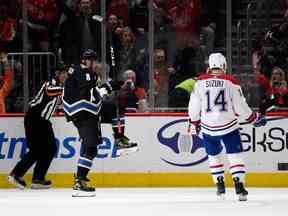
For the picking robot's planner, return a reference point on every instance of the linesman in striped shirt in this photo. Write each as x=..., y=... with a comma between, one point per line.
x=39, y=134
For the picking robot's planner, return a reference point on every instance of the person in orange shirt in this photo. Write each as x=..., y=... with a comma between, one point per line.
x=6, y=80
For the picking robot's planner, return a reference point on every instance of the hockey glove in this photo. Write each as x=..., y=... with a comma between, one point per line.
x=102, y=91
x=108, y=87
x=194, y=127
x=260, y=121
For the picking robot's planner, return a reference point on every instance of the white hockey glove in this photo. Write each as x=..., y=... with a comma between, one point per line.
x=108, y=87
x=102, y=91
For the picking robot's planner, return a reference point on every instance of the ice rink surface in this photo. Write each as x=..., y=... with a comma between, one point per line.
x=143, y=201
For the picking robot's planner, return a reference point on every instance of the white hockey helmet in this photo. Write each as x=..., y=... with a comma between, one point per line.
x=217, y=61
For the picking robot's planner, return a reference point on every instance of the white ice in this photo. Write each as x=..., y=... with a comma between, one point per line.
x=143, y=201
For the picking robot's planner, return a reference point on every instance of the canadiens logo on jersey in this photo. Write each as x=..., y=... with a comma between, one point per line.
x=179, y=148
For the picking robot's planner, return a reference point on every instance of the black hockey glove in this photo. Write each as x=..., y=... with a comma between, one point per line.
x=260, y=121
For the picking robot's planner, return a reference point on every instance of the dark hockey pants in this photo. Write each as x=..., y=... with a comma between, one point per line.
x=42, y=147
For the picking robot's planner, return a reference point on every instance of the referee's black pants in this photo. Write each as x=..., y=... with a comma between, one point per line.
x=42, y=147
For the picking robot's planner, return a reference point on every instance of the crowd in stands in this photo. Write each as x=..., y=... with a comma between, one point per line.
x=185, y=32
x=270, y=63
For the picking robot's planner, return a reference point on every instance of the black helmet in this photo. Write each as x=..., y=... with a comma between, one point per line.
x=88, y=54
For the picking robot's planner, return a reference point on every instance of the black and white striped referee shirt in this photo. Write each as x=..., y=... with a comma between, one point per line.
x=44, y=103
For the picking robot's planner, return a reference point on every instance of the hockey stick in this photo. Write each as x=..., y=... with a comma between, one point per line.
x=115, y=77
x=268, y=120
x=272, y=107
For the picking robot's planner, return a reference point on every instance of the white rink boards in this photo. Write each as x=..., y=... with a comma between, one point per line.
x=166, y=156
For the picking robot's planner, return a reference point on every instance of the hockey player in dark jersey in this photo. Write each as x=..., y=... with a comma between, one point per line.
x=83, y=100
x=39, y=134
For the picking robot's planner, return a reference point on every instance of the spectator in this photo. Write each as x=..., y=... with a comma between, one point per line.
x=127, y=52
x=42, y=16
x=79, y=30
x=14, y=101
x=139, y=16
x=113, y=45
x=142, y=68
x=6, y=80
x=131, y=97
x=276, y=93
x=207, y=39
x=8, y=26
x=214, y=12
x=113, y=23
x=164, y=35
x=270, y=49
x=120, y=9
x=185, y=20
x=161, y=78
x=189, y=62
x=278, y=78
x=279, y=87
x=180, y=95
x=121, y=23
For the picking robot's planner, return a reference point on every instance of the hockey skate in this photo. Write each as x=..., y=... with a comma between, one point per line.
x=16, y=181
x=41, y=184
x=124, y=147
x=81, y=189
x=220, y=187
x=240, y=190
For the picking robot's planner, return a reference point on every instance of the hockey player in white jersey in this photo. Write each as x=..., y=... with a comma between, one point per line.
x=215, y=105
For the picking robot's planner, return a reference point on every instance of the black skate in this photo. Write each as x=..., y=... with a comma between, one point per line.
x=16, y=181
x=41, y=184
x=240, y=190
x=81, y=189
x=220, y=187
x=124, y=147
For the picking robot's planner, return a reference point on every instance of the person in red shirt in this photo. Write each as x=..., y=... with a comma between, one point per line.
x=185, y=19
x=276, y=92
x=6, y=80
x=120, y=9
x=7, y=25
x=42, y=16
x=8, y=29
x=132, y=98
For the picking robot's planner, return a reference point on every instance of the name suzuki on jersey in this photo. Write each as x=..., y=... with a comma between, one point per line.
x=214, y=83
